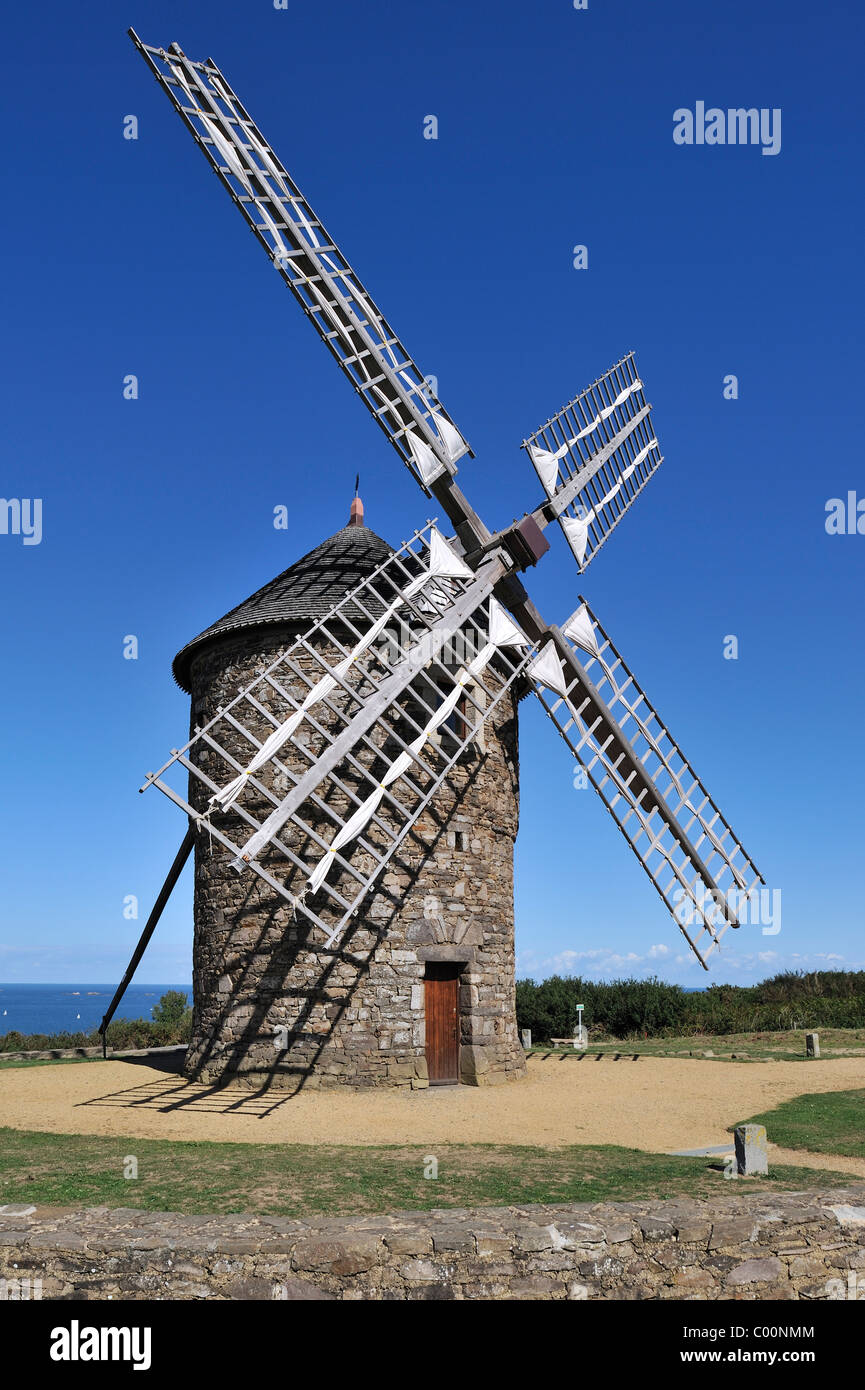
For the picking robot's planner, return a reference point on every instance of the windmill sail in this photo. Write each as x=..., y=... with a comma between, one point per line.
x=694, y=859
x=349, y=741
x=595, y=457
x=353, y=729
x=332, y=296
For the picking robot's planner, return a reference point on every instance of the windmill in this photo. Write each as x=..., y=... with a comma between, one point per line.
x=314, y=777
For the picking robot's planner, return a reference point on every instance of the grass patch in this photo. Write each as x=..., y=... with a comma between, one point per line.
x=832, y=1123
x=302, y=1180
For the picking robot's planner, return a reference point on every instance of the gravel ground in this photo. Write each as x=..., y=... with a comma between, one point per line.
x=655, y=1104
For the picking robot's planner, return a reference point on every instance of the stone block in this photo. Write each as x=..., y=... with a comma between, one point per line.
x=672, y=1256
x=601, y=1268
x=694, y=1278
x=473, y=1062
x=493, y=1245
x=290, y=1291
x=530, y=1238
x=655, y=1228
x=849, y=1216
x=432, y=1293
x=59, y=1240
x=534, y=1286
x=409, y=1243
x=246, y=1290
x=616, y=1231
x=752, y=1154
x=756, y=1272
x=571, y=1235
x=401, y=1071
x=551, y=1260
x=240, y=1246
x=351, y=1256
x=192, y=1290
x=806, y=1267
x=423, y=1271
x=731, y=1230
x=454, y=1240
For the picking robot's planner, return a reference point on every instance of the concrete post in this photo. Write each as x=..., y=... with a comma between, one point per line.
x=751, y=1150
x=526, y=1036
x=812, y=1044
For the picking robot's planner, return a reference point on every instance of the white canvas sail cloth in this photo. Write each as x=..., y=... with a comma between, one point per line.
x=580, y=630
x=503, y=632
x=547, y=668
x=442, y=563
x=427, y=461
x=547, y=462
x=576, y=528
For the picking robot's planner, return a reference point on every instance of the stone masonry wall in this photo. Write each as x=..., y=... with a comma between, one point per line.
x=355, y=1016
x=759, y=1245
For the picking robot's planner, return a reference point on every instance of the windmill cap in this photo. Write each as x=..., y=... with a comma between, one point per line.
x=300, y=595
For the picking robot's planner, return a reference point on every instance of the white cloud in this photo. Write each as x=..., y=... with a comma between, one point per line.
x=745, y=967
x=602, y=961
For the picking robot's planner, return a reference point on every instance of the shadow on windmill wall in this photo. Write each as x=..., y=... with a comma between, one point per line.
x=272, y=1009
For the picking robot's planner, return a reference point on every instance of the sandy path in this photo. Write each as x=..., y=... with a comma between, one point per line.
x=656, y=1104
x=800, y=1158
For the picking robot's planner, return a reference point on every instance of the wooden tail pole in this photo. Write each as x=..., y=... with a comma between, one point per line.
x=150, y=926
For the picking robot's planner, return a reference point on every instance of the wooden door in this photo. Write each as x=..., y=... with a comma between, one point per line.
x=441, y=999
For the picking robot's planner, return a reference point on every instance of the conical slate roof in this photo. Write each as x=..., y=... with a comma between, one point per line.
x=304, y=592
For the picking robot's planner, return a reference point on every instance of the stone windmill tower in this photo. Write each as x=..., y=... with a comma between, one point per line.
x=350, y=781
x=422, y=987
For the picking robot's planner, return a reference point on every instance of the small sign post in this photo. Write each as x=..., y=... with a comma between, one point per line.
x=580, y=1038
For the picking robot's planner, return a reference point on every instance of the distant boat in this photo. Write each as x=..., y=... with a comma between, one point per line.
x=77, y=1015
x=5, y=1012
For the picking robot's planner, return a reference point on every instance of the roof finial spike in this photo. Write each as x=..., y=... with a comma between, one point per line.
x=355, y=517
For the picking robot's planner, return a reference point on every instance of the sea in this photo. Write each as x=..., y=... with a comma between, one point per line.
x=74, y=1008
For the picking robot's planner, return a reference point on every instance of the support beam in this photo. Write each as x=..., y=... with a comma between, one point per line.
x=150, y=926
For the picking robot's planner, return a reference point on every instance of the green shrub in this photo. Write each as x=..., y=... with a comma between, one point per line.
x=652, y=1008
x=172, y=1010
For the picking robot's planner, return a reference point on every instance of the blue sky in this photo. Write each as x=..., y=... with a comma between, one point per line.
x=555, y=129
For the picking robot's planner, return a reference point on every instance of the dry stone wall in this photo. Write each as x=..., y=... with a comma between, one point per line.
x=756, y=1246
